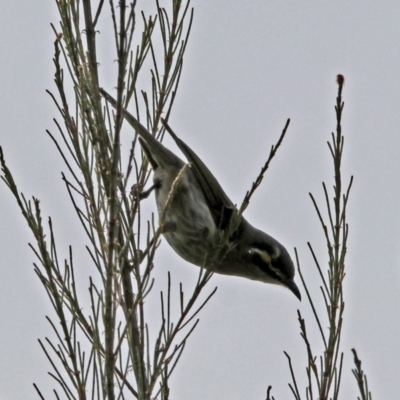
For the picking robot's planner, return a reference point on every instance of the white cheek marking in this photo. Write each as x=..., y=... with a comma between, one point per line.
x=263, y=254
x=267, y=259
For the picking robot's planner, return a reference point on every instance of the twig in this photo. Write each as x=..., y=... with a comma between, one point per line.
x=260, y=176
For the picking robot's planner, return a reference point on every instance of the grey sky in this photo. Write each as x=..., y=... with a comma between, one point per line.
x=249, y=67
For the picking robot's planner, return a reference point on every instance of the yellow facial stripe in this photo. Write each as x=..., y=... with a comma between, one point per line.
x=266, y=257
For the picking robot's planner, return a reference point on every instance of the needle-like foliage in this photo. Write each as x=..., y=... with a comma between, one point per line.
x=107, y=349
x=324, y=371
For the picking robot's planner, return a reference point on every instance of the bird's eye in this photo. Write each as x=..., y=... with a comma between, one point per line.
x=265, y=262
x=260, y=258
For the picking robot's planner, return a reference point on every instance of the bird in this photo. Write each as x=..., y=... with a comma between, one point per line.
x=201, y=223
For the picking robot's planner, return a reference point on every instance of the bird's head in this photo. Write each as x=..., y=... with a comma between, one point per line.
x=260, y=257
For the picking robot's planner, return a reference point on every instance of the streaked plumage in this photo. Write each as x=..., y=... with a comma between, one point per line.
x=199, y=213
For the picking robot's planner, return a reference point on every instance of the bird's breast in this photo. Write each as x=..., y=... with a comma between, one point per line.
x=189, y=225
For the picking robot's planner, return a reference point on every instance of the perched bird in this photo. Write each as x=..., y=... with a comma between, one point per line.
x=201, y=223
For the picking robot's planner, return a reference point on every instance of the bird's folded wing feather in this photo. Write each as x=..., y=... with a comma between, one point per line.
x=219, y=203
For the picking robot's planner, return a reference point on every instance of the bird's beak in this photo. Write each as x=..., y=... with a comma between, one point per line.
x=293, y=288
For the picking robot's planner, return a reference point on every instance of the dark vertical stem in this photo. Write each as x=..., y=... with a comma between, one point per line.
x=91, y=40
x=336, y=305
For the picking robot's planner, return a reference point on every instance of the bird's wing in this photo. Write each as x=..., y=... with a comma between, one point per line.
x=218, y=202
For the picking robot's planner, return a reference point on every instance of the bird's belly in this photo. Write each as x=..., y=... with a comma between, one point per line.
x=191, y=248
x=189, y=226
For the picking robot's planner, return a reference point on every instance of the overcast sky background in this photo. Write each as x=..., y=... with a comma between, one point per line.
x=249, y=66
